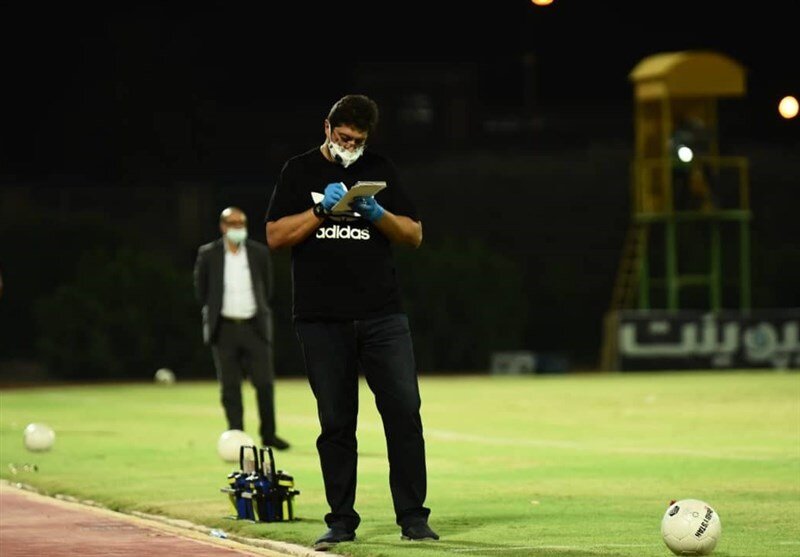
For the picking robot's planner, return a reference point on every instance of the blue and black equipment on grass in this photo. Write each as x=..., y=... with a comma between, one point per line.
x=274, y=491
x=257, y=490
x=238, y=490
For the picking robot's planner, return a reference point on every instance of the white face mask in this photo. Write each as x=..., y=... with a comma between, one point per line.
x=344, y=156
x=236, y=235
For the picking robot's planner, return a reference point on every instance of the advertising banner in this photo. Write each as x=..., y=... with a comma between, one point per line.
x=658, y=339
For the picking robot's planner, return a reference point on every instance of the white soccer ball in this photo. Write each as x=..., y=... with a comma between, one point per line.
x=229, y=443
x=691, y=527
x=39, y=437
x=165, y=376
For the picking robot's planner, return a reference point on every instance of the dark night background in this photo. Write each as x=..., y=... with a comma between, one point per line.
x=126, y=128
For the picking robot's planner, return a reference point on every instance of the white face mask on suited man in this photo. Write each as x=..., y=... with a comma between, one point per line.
x=236, y=235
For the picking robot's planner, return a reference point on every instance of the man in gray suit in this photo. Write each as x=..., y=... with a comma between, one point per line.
x=233, y=283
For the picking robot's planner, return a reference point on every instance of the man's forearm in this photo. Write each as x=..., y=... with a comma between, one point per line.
x=400, y=229
x=292, y=229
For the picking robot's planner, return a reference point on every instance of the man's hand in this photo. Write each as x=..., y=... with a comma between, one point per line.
x=333, y=193
x=368, y=208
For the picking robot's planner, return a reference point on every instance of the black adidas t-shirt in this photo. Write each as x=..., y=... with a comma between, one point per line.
x=344, y=270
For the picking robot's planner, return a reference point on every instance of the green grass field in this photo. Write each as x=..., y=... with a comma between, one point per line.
x=568, y=465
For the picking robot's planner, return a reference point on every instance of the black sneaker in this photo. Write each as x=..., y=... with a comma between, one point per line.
x=418, y=532
x=332, y=537
x=276, y=443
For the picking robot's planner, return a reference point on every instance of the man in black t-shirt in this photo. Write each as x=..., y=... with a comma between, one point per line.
x=348, y=314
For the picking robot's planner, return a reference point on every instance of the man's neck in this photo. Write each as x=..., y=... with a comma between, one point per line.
x=231, y=247
x=326, y=152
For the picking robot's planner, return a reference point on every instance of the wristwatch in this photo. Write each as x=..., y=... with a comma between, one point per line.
x=320, y=211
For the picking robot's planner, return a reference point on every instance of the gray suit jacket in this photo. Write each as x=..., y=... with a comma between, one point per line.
x=209, y=273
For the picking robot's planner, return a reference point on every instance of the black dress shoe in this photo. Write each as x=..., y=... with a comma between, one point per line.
x=418, y=531
x=332, y=537
x=276, y=443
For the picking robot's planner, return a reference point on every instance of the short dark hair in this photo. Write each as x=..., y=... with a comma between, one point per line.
x=357, y=111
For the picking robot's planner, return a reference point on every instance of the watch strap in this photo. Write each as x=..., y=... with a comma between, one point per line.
x=320, y=210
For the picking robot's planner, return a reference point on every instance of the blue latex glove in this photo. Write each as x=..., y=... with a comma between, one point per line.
x=333, y=193
x=368, y=208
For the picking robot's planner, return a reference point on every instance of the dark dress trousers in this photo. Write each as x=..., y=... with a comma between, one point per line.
x=240, y=348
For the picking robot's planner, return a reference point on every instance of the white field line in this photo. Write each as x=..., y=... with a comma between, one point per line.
x=444, y=435
x=553, y=547
x=736, y=453
x=567, y=547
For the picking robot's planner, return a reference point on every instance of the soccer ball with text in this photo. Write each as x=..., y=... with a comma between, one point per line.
x=691, y=527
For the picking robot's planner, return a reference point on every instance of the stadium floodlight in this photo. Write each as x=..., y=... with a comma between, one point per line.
x=685, y=153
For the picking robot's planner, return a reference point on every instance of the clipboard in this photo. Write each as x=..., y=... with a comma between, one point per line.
x=361, y=188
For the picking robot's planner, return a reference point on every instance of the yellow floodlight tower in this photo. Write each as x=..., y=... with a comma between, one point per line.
x=680, y=180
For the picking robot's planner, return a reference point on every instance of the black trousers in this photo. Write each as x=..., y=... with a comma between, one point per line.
x=239, y=352
x=335, y=352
